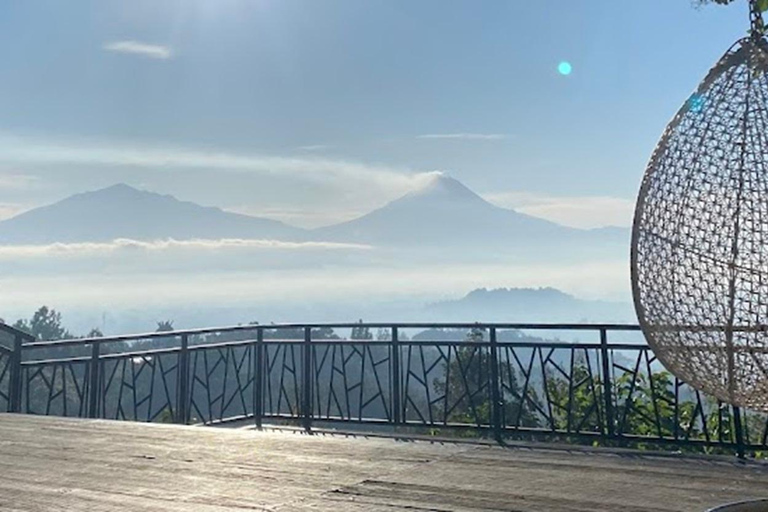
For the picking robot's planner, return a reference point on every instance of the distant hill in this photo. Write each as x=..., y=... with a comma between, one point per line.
x=450, y=334
x=121, y=211
x=545, y=305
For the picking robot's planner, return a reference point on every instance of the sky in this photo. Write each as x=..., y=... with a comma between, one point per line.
x=313, y=112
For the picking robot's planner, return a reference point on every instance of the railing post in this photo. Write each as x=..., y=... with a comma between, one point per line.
x=93, y=386
x=306, y=381
x=258, y=377
x=397, y=408
x=497, y=405
x=607, y=386
x=739, y=432
x=182, y=414
x=15, y=389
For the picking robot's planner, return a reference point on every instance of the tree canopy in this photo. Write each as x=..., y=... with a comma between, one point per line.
x=761, y=4
x=45, y=324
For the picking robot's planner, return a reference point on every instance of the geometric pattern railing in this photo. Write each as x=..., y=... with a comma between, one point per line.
x=5, y=378
x=11, y=342
x=497, y=379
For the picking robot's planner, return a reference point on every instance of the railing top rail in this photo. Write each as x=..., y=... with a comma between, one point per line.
x=141, y=336
x=341, y=325
x=15, y=332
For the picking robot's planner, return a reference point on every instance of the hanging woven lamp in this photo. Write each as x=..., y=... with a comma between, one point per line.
x=700, y=235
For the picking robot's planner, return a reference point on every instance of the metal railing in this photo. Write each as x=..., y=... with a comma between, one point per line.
x=11, y=341
x=604, y=385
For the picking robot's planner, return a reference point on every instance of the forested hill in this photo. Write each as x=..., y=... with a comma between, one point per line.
x=545, y=305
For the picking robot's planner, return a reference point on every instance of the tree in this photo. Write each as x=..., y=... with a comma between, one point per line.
x=45, y=324
x=761, y=4
x=575, y=400
x=361, y=333
x=466, y=380
x=164, y=326
x=646, y=404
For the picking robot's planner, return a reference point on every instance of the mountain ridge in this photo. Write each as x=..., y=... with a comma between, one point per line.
x=122, y=211
x=443, y=213
x=442, y=210
x=544, y=304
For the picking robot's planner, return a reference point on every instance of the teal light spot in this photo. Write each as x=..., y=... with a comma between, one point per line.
x=696, y=103
x=564, y=68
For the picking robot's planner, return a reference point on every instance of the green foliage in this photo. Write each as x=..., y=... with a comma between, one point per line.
x=721, y=2
x=761, y=4
x=361, y=333
x=647, y=406
x=45, y=324
x=581, y=399
x=466, y=382
x=164, y=326
x=165, y=416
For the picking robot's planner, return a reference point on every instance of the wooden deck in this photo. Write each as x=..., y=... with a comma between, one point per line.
x=94, y=465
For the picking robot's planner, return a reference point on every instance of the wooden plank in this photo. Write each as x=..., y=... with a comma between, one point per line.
x=83, y=465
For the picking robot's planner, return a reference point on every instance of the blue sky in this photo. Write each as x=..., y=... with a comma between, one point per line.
x=315, y=111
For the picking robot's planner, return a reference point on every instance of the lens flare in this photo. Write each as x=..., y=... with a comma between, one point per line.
x=696, y=103
x=564, y=68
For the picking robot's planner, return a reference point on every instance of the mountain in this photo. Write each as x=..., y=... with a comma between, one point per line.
x=121, y=211
x=529, y=305
x=442, y=215
x=445, y=213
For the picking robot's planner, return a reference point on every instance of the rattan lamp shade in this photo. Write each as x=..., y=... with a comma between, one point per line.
x=700, y=235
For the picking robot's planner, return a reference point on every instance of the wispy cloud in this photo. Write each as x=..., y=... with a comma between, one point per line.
x=386, y=180
x=18, y=181
x=8, y=210
x=465, y=136
x=125, y=244
x=303, y=217
x=137, y=289
x=314, y=147
x=152, y=51
x=575, y=211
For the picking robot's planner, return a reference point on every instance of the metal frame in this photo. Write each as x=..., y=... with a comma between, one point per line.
x=11, y=341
